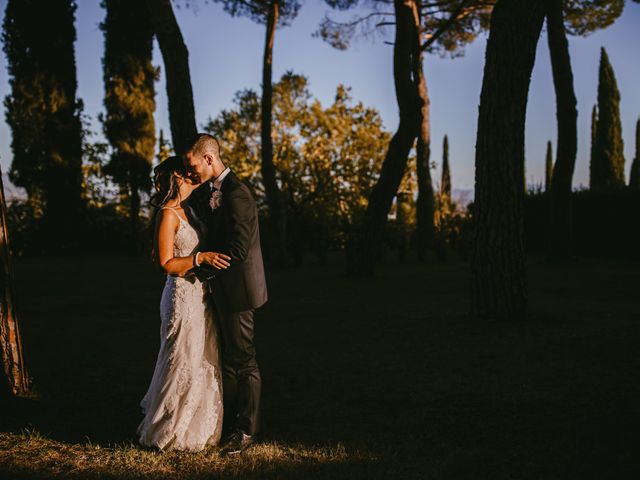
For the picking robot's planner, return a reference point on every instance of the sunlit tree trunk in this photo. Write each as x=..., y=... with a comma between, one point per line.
x=16, y=379
x=365, y=249
x=498, y=283
x=560, y=228
x=274, y=196
x=175, y=55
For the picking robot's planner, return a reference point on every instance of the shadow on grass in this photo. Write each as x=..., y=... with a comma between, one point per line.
x=390, y=369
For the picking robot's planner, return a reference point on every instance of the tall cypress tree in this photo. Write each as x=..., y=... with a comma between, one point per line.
x=634, y=177
x=608, y=151
x=445, y=183
x=593, y=165
x=548, y=172
x=44, y=113
x=129, y=98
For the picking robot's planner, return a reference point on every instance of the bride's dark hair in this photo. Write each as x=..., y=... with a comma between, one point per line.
x=165, y=181
x=166, y=185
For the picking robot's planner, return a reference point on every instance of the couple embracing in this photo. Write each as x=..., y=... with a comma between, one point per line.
x=207, y=240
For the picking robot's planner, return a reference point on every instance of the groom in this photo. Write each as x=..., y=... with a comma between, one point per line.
x=227, y=207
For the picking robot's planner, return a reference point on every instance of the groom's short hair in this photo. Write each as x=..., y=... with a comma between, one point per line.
x=205, y=143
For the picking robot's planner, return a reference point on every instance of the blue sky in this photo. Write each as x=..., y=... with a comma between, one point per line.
x=226, y=55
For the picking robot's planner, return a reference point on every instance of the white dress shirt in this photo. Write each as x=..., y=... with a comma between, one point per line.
x=217, y=183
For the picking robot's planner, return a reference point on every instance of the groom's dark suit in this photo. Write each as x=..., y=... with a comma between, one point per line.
x=237, y=291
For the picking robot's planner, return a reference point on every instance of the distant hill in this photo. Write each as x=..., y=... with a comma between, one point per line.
x=462, y=196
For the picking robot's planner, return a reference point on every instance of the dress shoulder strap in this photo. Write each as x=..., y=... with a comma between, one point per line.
x=172, y=209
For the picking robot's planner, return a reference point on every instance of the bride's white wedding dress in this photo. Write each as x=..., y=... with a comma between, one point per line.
x=183, y=406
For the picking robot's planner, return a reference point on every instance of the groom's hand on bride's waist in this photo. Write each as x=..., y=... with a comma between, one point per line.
x=218, y=261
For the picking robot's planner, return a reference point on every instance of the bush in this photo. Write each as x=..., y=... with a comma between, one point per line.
x=605, y=223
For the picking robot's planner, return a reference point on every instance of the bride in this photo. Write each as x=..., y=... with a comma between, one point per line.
x=183, y=405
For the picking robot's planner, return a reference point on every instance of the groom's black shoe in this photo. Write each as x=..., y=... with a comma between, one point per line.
x=237, y=443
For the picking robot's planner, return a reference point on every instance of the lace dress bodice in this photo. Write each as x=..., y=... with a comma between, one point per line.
x=186, y=240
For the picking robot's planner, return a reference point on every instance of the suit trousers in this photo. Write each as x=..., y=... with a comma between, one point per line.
x=240, y=372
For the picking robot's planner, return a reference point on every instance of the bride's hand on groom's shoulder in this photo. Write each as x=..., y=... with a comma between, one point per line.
x=219, y=261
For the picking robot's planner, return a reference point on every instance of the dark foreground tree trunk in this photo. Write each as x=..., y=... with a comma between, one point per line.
x=498, y=286
x=274, y=197
x=365, y=247
x=425, y=202
x=175, y=56
x=559, y=248
x=16, y=379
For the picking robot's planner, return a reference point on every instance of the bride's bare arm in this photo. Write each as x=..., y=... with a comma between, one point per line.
x=167, y=224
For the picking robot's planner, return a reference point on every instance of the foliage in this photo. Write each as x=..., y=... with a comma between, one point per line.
x=42, y=109
x=165, y=150
x=445, y=183
x=258, y=10
x=608, y=167
x=634, y=175
x=602, y=223
x=129, y=93
x=106, y=228
x=327, y=158
x=583, y=17
x=450, y=25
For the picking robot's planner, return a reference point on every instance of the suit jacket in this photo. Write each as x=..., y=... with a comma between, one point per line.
x=233, y=230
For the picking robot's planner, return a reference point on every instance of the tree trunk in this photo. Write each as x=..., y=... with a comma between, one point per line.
x=425, y=203
x=175, y=55
x=560, y=228
x=498, y=283
x=365, y=247
x=274, y=196
x=15, y=373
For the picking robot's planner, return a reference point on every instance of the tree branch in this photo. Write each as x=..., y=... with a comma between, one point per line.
x=455, y=16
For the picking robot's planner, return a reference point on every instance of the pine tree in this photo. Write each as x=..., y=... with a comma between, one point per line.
x=366, y=243
x=129, y=99
x=608, y=152
x=634, y=177
x=175, y=56
x=548, y=173
x=44, y=113
x=272, y=14
x=425, y=204
x=445, y=183
x=498, y=277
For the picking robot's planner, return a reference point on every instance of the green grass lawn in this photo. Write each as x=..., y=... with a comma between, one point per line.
x=386, y=377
